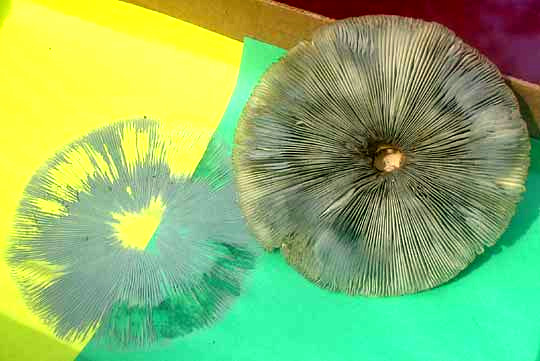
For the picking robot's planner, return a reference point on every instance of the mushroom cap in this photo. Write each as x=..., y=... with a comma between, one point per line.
x=74, y=251
x=383, y=156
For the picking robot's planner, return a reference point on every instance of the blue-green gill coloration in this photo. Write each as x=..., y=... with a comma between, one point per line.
x=112, y=237
x=382, y=156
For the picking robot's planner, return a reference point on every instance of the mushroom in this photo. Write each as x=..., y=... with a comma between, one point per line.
x=382, y=156
x=111, y=234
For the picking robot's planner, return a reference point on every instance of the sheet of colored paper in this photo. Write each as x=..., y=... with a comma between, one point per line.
x=486, y=314
x=69, y=67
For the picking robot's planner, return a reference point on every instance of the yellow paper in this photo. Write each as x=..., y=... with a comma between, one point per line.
x=68, y=67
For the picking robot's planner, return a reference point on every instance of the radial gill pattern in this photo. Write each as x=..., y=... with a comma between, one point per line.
x=112, y=237
x=382, y=156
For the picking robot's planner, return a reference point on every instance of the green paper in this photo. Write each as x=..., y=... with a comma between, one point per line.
x=486, y=314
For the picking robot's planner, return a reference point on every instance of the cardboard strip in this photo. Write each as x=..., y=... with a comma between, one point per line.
x=528, y=95
x=264, y=20
x=285, y=26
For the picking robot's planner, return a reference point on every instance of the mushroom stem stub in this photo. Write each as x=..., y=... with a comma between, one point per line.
x=388, y=159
